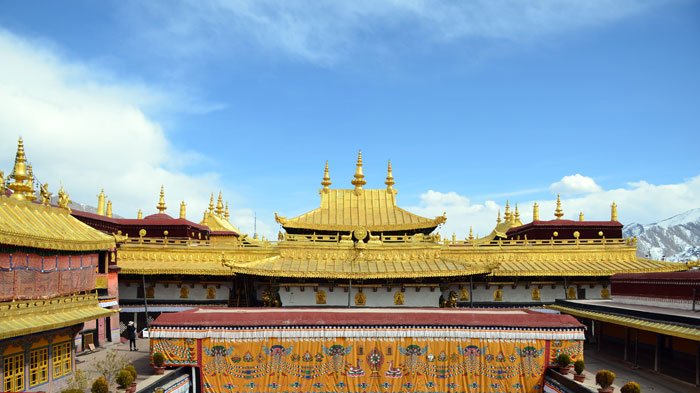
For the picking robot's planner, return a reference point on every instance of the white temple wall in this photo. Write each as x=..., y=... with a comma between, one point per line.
x=173, y=291
x=424, y=297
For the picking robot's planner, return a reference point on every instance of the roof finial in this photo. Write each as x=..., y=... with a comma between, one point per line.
x=516, y=217
x=581, y=217
x=326, y=182
x=109, y=209
x=558, y=212
x=227, y=215
x=498, y=219
x=101, y=203
x=183, y=210
x=161, y=202
x=507, y=215
x=31, y=195
x=359, y=179
x=20, y=186
x=139, y=214
x=220, y=205
x=471, y=233
x=389, y=179
x=535, y=212
x=211, y=203
x=613, y=212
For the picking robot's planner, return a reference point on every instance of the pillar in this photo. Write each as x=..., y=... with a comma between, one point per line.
x=625, y=355
x=657, y=351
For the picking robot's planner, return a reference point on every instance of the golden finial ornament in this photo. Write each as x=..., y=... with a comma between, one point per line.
x=498, y=218
x=139, y=214
x=389, y=179
x=220, y=205
x=326, y=182
x=471, y=233
x=211, y=203
x=101, y=203
x=45, y=194
x=19, y=185
x=558, y=212
x=613, y=212
x=183, y=210
x=580, y=216
x=359, y=179
x=109, y=209
x=2, y=182
x=516, y=216
x=535, y=212
x=227, y=215
x=507, y=214
x=161, y=202
x=31, y=194
x=63, y=198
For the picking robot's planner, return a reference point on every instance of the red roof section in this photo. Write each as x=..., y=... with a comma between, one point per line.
x=690, y=275
x=251, y=317
x=157, y=219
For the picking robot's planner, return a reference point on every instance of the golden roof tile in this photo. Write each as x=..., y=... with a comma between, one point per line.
x=344, y=210
x=27, y=224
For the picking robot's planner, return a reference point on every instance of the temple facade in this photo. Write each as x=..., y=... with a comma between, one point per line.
x=50, y=266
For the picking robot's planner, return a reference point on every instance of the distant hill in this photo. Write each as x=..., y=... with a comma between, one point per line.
x=674, y=239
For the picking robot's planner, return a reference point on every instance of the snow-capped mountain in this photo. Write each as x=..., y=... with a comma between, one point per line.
x=673, y=239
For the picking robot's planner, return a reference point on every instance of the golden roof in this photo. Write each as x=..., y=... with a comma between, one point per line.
x=690, y=333
x=584, y=265
x=343, y=210
x=18, y=318
x=27, y=224
x=186, y=260
x=218, y=224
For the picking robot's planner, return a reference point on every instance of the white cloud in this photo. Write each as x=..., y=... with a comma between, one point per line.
x=575, y=185
x=324, y=31
x=640, y=202
x=87, y=130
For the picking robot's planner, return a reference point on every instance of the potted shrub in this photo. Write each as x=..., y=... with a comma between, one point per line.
x=631, y=387
x=563, y=361
x=579, y=366
x=124, y=379
x=130, y=368
x=100, y=386
x=158, y=361
x=605, y=379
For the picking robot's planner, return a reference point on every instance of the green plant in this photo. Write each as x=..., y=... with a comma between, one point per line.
x=158, y=359
x=631, y=387
x=110, y=366
x=604, y=378
x=100, y=386
x=78, y=382
x=563, y=360
x=579, y=366
x=130, y=368
x=124, y=378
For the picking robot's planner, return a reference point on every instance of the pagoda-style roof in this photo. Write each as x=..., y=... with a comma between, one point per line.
x=219, y=226
x=345, y=210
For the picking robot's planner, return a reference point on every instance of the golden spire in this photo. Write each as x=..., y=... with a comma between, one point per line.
x=498, y=219
x=183, y=210
x=558, y=213
x=161, y=202
x=326, y=182
x=535, y=212
x=2, y=183
x=101, y=203
x=227, y=216
x=211, y=203
x=220, y=205
x=389, y=179
x=109, y=209
x=581, y=217
x=516, y=217
x=31, y=195
x=471, y=233
x=507, y=214
x=613, y=212
x=139, y=215
x=359, y=179
x=19, y=174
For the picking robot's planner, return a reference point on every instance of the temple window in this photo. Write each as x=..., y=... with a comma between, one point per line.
x=14, y=373
x=62, y=359
x=38, y=366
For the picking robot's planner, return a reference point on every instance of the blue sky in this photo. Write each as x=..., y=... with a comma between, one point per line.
x=474, y=102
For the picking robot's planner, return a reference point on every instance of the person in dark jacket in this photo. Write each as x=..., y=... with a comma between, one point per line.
x=131, y=335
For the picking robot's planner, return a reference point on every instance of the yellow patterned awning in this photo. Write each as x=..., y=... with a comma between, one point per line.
x=340, y=269
x=18, y=318
x=27, y=224
x=344, y=210
x=581, y=267
x=690, y=333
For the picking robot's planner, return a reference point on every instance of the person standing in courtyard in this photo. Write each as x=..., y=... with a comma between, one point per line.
x=131, y=335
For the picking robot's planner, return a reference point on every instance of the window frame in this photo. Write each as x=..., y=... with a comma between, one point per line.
x=41, y=367
x=17, y=373
x=61, y=359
